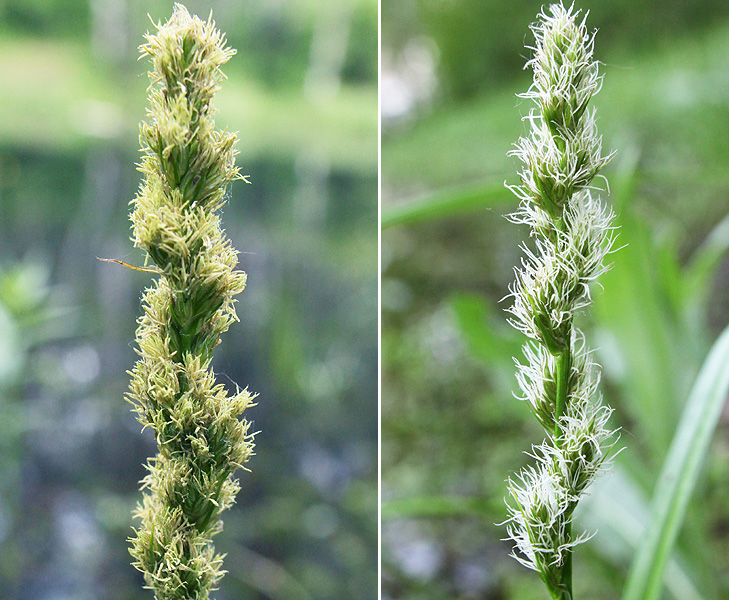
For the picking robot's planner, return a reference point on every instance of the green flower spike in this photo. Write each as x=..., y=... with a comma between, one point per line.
x=187, y=166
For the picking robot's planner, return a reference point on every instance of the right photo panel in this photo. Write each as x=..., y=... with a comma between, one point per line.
x=554, y=300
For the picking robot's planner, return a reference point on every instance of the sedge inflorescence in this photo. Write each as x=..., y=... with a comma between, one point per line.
x=187, y=165
x=571, y=236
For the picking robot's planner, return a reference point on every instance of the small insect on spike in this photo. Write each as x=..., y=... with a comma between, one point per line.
x=573, y=234
x=128, y=266
x=187, y=167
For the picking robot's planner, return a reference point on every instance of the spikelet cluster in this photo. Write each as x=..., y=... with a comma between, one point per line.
x=187, y=165
x=571, y=235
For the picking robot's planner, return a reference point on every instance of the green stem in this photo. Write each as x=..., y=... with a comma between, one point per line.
x=564, y=366
x=567, y=571
x=563, y=589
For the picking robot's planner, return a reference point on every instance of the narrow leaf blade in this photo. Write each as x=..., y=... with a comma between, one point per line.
x=680, y=472
x=447, y=203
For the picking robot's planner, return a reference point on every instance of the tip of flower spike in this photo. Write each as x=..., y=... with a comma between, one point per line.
x=208, y=41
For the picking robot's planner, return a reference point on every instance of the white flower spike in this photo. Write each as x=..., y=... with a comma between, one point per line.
x=573, y=234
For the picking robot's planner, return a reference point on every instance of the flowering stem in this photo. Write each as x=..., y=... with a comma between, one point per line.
x=562, y=590
x=566, y=591
x=187, y=166
x=562, y=154
x=564, y=365
x=561, y=593
x=567, y=577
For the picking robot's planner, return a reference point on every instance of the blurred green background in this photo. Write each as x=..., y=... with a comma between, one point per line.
x=452, y=432
x=302, y=93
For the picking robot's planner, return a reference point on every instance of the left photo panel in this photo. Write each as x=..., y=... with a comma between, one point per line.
x=189, y=300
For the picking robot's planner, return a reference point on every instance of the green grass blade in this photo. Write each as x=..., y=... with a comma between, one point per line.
x=486, y=332
x=617, y=509
x=447, y=203
x=705, y=261
x=680, y=472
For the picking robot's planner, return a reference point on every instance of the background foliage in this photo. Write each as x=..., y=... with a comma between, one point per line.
x=452, y=433
x=302, y=94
